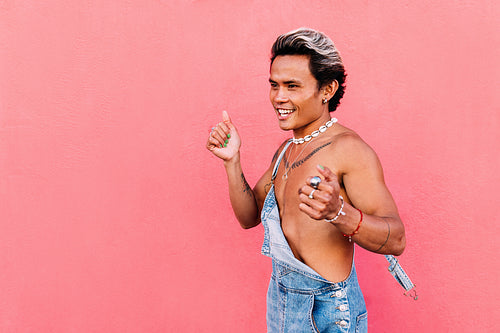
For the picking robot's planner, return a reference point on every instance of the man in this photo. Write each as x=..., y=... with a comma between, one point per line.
x=311, y=223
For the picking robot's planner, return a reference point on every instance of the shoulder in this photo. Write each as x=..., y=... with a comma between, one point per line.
x=270, y=167
x=351, y=151
x=279, y=150
x=348, y=141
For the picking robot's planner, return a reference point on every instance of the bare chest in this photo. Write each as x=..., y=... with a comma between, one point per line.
x=291, y=177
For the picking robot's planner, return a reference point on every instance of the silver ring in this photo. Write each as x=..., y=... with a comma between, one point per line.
x=311, y=194
x=315, y=181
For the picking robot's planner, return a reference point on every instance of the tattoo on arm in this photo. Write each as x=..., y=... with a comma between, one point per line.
x=388, y=234
x=267, y=187
x=246, y=187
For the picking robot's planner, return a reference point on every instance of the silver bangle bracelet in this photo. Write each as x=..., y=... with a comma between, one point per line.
x=341, y=212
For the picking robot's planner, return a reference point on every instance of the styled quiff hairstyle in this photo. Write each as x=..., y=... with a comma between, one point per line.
x=325, y=62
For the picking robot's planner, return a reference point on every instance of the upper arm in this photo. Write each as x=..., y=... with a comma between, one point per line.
x=262, y=187
x=363, y=179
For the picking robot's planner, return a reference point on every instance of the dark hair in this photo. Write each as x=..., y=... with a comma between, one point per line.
x=325, y=62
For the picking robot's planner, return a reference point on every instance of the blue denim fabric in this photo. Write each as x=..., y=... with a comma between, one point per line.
x=298, y=298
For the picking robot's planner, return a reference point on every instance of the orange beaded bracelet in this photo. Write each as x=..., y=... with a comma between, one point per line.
x=359, y=224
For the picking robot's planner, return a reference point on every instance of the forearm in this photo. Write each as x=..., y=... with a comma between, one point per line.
x=384, y=235
x=241, y=195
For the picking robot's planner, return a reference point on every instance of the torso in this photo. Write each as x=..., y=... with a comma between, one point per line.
x=315, y=242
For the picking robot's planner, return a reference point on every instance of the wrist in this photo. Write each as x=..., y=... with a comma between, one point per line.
x=232, y=161
x=357, y=227
x=339, y=213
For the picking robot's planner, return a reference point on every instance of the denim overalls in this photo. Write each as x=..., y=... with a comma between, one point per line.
x=298, y=298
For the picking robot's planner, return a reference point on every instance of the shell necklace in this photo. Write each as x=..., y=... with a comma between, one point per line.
x=308, y=139
x=314, y=134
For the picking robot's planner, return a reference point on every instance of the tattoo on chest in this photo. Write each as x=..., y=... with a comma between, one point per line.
x=246, y=187
x=298, y=163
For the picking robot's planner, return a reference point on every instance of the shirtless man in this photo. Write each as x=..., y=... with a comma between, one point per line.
x=310, y=226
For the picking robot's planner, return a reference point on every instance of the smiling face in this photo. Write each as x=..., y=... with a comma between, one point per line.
x=295, y=96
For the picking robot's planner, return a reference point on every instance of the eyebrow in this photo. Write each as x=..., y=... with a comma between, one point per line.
x=286, y=82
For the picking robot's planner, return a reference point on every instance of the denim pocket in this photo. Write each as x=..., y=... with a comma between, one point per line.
x=362, y=323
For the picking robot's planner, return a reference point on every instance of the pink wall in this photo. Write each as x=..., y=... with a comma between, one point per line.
x=114, y=217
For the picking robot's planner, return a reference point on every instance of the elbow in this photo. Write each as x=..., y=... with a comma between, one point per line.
x=246, y=219
x=398, y=240
x=399, y=246
x=246, y=226
x=249, y=224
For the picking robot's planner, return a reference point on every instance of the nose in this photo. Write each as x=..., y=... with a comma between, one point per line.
x=279, y=95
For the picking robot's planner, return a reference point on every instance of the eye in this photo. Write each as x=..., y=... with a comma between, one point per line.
x=292, y=86
x=273, y=84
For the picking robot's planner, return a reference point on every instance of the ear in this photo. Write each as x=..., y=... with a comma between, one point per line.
x=330, y=89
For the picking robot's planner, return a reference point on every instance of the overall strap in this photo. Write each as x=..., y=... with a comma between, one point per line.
x=400, y=275
x=278, y=161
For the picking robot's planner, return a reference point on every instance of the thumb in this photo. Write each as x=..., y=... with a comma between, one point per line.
x=225, y=117
x=327, y=173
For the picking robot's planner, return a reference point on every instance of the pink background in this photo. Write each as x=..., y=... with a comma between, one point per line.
x=114, y=217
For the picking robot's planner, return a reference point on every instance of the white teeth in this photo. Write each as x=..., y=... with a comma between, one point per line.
x=285, y=111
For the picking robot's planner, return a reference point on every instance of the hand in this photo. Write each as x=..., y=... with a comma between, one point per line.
x=325, y=202
x=224, y=140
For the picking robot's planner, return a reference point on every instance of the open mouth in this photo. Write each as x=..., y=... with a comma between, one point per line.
x=284, y=112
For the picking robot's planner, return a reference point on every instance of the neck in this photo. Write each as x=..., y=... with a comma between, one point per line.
x=312, y=126
x=313, y=129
